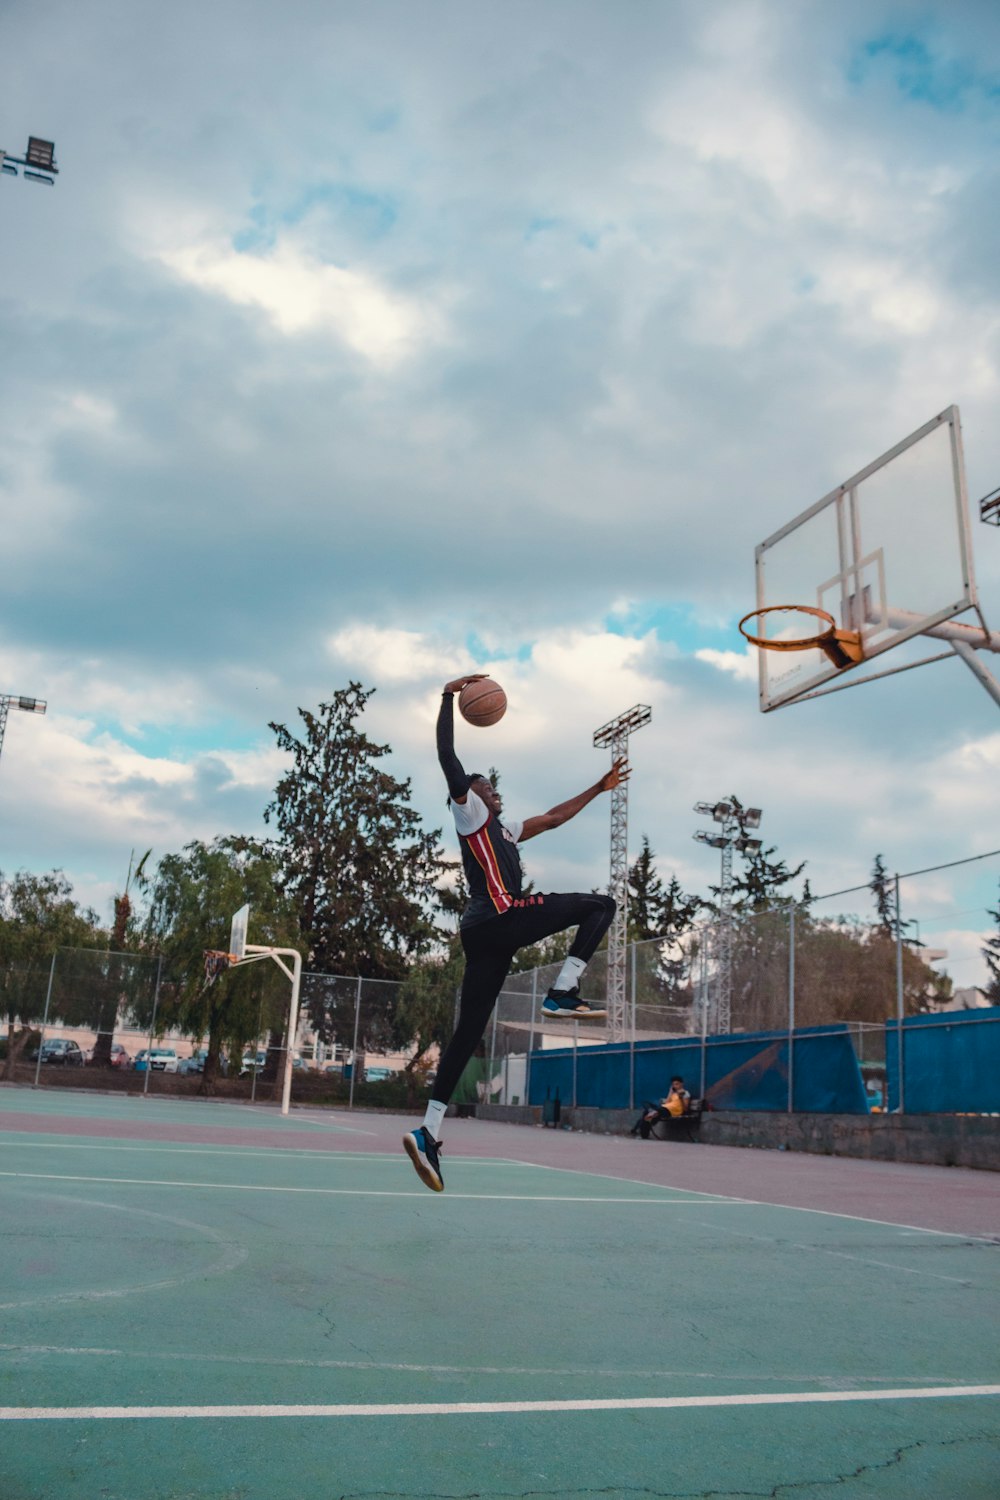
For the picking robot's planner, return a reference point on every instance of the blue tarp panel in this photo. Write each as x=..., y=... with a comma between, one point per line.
x=741, y=1072
x=951, y=1064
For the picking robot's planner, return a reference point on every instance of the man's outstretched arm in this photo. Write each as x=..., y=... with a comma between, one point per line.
x=556, y=816
x=454, y=773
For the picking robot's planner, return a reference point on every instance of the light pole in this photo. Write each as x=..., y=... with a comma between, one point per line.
x=616, y=733
x=11, y=700
x=38, y=162
x=735, y=820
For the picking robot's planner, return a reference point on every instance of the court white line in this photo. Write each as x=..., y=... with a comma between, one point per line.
x=275, y=1153
x=589, y=1373
x=278, y=1153
x=481, y=1408
x=256, y=1187
x=795, y=1208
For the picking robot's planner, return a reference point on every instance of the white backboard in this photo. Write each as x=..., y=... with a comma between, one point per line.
x=238, y=932
x=887, y=553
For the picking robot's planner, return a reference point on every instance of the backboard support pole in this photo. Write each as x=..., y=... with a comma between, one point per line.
x=978, y=668
x=295, y=975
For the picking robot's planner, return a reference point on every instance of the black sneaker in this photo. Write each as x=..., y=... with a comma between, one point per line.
x=567, y=1004
x=422, y=1149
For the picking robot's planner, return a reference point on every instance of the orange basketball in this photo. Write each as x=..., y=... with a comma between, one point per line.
x=482, y=703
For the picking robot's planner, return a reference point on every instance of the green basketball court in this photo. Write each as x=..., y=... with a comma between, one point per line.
x=195, y=1318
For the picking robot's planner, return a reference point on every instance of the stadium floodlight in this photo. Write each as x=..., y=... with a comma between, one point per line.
x=18, y=700
x=39, y=162
x=41, y=154
x=747, y=846
x=750, y=817
x=714, y=839
x=721, y=811
x=615, y=736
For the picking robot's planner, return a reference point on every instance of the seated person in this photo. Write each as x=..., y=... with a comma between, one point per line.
x=676, y=1104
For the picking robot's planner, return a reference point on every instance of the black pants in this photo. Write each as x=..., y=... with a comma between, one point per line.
x=489, y=951
x=651, y=1115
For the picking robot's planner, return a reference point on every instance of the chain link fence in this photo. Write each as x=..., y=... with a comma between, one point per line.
x=783, y=973
x=109, y=1019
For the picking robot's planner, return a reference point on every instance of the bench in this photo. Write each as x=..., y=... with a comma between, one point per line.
x=679, y=1127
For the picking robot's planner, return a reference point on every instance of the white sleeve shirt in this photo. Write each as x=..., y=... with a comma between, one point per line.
x=473, y=813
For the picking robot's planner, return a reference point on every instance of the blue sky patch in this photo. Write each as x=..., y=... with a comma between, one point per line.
x=369, y=215
x=948, y=84
x=680, y=624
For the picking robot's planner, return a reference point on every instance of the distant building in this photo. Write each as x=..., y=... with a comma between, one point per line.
x=972, y=998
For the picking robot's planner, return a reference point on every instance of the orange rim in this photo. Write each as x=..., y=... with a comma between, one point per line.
x=803, y=643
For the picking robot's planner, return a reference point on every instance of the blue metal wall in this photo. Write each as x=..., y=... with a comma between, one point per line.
x=747, y=1071
x=951, y=1064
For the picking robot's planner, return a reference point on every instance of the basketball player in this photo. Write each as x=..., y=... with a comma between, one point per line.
x=498, y=920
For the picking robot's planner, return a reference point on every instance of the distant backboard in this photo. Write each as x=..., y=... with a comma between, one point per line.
x=887, y=553
x=238, y=932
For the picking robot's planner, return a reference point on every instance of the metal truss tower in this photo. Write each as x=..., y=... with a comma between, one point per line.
x=735, y=820
x=29, y=705
x=616, y=734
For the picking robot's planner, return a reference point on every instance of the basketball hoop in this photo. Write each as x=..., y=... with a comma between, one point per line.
x=841, y=647
x=217, y=963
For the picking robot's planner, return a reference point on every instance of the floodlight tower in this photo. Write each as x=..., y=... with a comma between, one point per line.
x=39, y=161
x=616, y=735
x=29, y=706
x=735, y=820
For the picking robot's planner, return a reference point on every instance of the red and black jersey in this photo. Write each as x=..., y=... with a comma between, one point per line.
x=493, y=871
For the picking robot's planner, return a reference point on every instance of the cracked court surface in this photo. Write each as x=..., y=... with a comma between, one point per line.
x=206, y=1300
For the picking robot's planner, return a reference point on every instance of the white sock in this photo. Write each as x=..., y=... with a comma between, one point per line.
x=569, y=974
x=434, y=1118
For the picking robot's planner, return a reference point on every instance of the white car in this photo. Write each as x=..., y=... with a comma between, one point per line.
x=157, y=1060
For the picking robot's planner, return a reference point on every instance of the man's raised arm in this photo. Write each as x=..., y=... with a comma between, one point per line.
x=556, y=816
x=454, y=772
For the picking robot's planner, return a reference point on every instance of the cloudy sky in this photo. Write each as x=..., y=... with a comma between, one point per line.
x=394, y=340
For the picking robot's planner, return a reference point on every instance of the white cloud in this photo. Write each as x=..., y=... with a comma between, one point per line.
x=300, y=294
x=393, y=655
x=740, y=664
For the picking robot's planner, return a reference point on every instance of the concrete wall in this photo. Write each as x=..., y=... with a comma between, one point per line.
x=933, y=1140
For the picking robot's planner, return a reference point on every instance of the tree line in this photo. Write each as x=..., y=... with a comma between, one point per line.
x=350, y=876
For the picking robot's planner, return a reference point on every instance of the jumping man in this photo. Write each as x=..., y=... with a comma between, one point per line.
x=498, y=920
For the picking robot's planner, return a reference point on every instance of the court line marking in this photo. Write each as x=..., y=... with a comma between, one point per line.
x=400, y=1367
x=795, y=1208
x=483, y=1408
x=863, y=1260
x=255, y=1187
x=232, y=1257
x=278, y=1153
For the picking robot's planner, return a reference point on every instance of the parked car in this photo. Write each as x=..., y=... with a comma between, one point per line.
x=119, y=1057
x=60, y=1052
x=157, y=1060
x=377, y=1075
x=195, y=1063
x=253, y=1064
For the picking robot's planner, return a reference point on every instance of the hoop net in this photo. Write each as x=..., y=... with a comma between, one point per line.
x=216, y=963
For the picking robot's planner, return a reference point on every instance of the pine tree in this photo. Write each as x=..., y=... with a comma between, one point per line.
x=353, y=855
x=646, y=897
x=760, y=886
x=885, y=898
